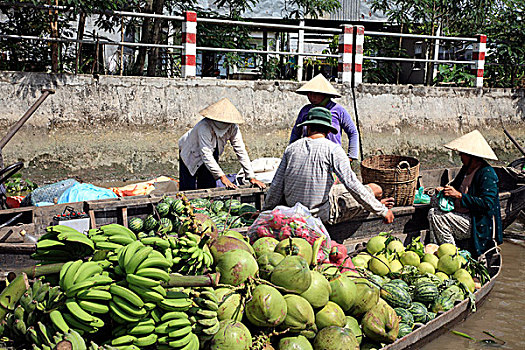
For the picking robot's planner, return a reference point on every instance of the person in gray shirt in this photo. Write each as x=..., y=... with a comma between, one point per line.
x=305, y=174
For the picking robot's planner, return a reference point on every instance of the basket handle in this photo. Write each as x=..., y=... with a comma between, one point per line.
x=403, y=165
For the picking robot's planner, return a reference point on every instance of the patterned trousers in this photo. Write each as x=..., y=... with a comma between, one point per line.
x=447, y=227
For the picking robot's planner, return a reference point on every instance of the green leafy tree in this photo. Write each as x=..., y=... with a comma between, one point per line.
x=312, y=8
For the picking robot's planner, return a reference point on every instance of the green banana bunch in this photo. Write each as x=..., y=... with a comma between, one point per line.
x=190, y=254
x=204, y=313
x=174, y=331
x=139, y=334
x=47, y=342
x=62, y=243
x=112, y=237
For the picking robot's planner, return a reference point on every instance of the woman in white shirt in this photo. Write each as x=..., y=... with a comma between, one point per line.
x=202, y=145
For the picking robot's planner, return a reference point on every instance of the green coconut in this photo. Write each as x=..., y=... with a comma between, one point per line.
x=224, y=244
x=328, y=270
x=231, y=306
x=236, y=266
x=299, y=314
x=295, y=343
x=379, y=265
x=264, y=245
x=300, y=246
x=330, y=315
x=267, y=263
x=366, y=297
x=360, y=261
x=381, y=323
x=319, y=291
x=267, y=307
x=343, y=292
x=335, y=338
x=426, y=267
x=442, y=276
x=376, y=244
x=292, y=274
x=232, y=335
x=449, y=264
x=396, y=266
x=353, y=325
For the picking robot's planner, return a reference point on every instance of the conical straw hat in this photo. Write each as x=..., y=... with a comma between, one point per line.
x=474, y=144
x=223, y=111
x=320, y=85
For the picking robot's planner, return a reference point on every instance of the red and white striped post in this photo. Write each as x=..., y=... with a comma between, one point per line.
x=478, y=55
x=189, y=45
x=359, y=32
x=344, y=66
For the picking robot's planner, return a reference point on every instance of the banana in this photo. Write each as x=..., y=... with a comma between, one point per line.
x=108, y=246
x=122, y=314
x=155, y=273
x=149, y=306
x=129, y=308
x=33, y=335
x=99, y=238
x=193, y=344
x=78, y=312
x=129, y=252
x=76, y=340
x=176, y=294
x=69, y=276
x=119, y=331
x=63, y=272
x=160, y=290
x=93, y=307
x=20, y=327
x=115, y=229
x=19, y=313
x=104, y=263
x=42, y=331
x=166, y=327
x=154, y=262
x=156, y=254
x=141, y=281
x=126, y=294
x=97, y=323
x=86, y=270
x=141, y=328
x=147, y=294
x=173, y=315
x=74, y=289
x=210, y=296
x=181, y=341
x=212, y=330
x=156, y=314
x=100, y=280
x=175, y=304
x=123, y=340
x=58, y=321
x=76, y=324
x=146, y=341
x=93, y=294
x=49, y=244
x=208, y=322
x=121, y=239
x=206, y=313
x=206, y=304
x=76, y=237
x=179, y=333
x=156, y=242
x=140, y=256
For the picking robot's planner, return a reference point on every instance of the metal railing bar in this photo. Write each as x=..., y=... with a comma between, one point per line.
x=282, y=53
x=404, y=59
x=419, y=36
x=270, y=25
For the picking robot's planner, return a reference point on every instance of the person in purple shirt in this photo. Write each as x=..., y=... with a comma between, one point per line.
x=320, y=93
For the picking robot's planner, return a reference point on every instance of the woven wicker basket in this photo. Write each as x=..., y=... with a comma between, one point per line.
x=397, y=175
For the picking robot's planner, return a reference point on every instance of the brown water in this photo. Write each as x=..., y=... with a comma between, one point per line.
x=503, y=313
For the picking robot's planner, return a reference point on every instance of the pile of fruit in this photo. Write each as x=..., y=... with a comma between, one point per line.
x=194, y=288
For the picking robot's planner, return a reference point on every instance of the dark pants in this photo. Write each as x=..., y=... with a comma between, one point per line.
x=202, y=178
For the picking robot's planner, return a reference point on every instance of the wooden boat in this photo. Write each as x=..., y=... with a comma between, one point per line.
x=443, y=322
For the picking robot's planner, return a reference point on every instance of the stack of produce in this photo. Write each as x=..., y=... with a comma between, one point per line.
x=137, y=291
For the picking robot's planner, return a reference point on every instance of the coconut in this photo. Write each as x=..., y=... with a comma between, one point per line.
x=376, y=244
x=343, y=292
x=366, y=297
x=225, y=244
x=231, y=306
x=330, y=315
x=300, y=246
x=319, y=291
x=430, y=258
x=431, y=248
x=236, y=266
x=410, y=258
x=449, y=264
x=267, y=308
x=232, y=335
x=353, y=325
x=381, y=323
x=446, y=249
x=267, y=263
x=235, y=234
x=328, y=270
x=351, y=274
x=335, y=338
x=379, y=265
x=292, y=274
x=295, y=343
x=264, y=245
x=395, y=246
x=299, y=314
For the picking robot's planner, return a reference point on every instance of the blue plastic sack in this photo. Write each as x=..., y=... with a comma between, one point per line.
x=445, y=204
x=420, y=197
x=48, y=193
x=85, y=192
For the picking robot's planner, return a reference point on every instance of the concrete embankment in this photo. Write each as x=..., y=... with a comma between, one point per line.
x=126, y=128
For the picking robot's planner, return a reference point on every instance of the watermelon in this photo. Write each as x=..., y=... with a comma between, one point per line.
x=163, y=209
x=177, y=207
x=442, y=303
x=426, y=292
x=454, y=293
x=217, y=206
x=430, y=316
x=200, y=203
x=150, y=223
x=419, y=311
x=168, y=200
x=400, y=283
x=135, y=224
x=395, y=296
x=165, y=225
x=404, y=329
x=141, y=235
x=376, y=280
x=406, y=316
x=232, y=205
x=246, y=210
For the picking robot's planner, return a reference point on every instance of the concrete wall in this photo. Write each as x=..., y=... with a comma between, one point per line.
x=126, y=128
